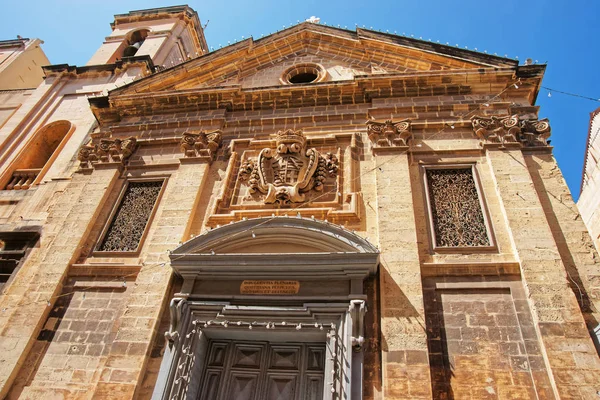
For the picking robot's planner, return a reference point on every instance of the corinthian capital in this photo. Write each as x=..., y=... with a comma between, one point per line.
x=389, y=133
x=511, y=130
x=107, y=151
x=200, y=144
x=500, y=130
x=535, y=132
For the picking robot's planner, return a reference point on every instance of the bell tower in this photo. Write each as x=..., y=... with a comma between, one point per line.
x=169, y=35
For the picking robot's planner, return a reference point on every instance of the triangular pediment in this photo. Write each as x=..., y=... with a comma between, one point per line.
x=343, y=54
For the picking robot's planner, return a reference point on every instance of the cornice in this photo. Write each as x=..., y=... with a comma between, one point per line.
x=360, y=90
x=122, y=64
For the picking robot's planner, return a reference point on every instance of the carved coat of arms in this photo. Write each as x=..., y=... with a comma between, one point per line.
x=284, y=174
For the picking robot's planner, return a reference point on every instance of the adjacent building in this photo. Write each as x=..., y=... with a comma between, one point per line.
x=318, y=214
x=589, y=197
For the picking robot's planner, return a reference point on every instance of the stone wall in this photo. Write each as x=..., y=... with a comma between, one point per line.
x=508, y=320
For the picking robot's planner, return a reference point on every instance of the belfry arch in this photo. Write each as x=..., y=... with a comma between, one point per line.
x=268, y=297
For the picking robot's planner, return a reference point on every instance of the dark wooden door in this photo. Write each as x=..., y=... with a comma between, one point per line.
x=236, y=370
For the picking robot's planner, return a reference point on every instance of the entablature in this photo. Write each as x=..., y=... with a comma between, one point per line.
x=363, y=89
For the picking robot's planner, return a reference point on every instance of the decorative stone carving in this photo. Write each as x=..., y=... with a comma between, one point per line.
x=535, y=132
x=246, y=170
x=108, y=150
x=284, y=174
x=201, y=144
x=87, y=155
x=496, y=130
x=511, y=129
x=175, y=310
x=389, y=133
x=358, y=309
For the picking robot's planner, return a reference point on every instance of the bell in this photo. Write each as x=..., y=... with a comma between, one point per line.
x=131, y=50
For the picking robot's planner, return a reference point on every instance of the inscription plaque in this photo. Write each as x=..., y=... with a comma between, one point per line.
x=269, y=287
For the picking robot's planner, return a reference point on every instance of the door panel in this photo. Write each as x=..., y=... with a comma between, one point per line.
x=242, y=386
x=247, y=356
x=281, y=387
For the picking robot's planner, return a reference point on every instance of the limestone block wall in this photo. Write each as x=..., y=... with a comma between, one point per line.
x=11, y=101
x=482, y=339
x=560, y=323
x=75, y=340
x=511, y=320
x=573, y=241
x=404, y=344
x=29, y=299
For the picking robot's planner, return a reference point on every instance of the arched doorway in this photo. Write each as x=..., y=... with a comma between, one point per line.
x=270, y=308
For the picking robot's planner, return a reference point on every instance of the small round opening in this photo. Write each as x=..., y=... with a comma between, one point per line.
x=303, y=73
x=305, y=77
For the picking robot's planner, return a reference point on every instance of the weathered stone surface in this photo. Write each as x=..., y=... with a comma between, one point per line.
x=505, y=316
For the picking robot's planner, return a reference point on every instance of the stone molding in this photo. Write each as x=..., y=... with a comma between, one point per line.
x=511, y=131
x=107, y=151
x=283, y=175
x=389, y=134
x=209, y=254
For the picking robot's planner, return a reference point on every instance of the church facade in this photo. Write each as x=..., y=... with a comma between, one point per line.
x=318, y=214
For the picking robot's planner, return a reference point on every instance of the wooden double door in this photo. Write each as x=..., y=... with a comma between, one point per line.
x=238, y=370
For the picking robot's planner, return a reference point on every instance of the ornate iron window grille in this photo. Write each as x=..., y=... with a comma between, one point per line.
x=131, y=218
x=455, y=208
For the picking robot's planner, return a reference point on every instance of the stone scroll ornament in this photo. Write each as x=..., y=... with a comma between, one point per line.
x=512, y=129
x=286, y=173
x=389, y=133
x=200, y=144
x=108, y=150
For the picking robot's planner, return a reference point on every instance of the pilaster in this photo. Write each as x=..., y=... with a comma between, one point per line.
x=404, y=340
x=567, y=348
x=573, y=241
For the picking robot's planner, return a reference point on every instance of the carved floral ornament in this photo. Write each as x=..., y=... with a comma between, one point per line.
x=285, y=173
x=389, y=133
x=108, y=150
x=192, y=144
x=200, y=144
x=512, y=129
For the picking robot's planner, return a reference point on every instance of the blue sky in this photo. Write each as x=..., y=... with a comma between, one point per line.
x=561, y=33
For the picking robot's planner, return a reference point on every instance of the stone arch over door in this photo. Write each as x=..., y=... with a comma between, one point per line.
x=285, y=283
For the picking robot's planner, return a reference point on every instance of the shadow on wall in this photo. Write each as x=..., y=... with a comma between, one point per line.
x=79, y=327
x=564, y=200
x=397, y=306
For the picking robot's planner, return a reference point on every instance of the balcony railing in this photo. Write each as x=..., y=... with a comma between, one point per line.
x=22, y=179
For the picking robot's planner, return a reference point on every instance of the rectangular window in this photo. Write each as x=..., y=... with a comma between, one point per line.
x=14, y=246
x=131, y=218
x=456, y=212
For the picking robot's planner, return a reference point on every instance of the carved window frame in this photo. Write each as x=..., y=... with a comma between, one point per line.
x=99, y=253
x=482, y=203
